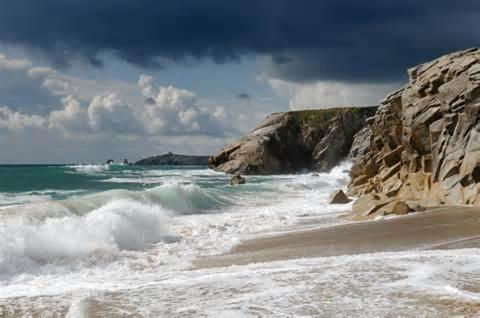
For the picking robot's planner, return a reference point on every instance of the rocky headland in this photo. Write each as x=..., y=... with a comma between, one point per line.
x=420, y=148
x=174, y=159
x=294, y=141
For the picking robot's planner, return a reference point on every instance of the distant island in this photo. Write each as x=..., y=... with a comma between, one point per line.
x=174, y=159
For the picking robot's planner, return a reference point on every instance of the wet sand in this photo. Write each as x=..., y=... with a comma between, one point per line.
x=441, y=228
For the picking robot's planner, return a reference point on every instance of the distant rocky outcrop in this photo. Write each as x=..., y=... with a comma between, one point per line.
x=173, y=159
x=293, y=141
x=422, y=147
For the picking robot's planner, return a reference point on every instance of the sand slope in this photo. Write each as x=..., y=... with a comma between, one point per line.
x=442, y=228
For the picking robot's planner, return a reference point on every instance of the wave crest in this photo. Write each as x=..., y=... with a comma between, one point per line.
x=114, y=227
x=186, y=198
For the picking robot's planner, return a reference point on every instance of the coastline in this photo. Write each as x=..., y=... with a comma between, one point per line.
x=450, y=227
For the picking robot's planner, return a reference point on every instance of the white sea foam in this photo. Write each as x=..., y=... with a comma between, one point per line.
x=344, y=286
x=78, y=308
x=19, y=198
x=145, y=181
x=90, y=168
x=104, y=232
x=9, y=198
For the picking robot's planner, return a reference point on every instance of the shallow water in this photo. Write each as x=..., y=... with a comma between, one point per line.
x=113, y=240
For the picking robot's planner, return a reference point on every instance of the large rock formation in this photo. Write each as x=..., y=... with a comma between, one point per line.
x=423, y=144
x=173, y=159
x=292, y=141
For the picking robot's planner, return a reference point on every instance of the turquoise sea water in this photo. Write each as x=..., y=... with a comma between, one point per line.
x=60, y=181
x=182, y=189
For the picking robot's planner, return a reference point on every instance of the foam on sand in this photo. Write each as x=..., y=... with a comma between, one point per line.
x=408, y=284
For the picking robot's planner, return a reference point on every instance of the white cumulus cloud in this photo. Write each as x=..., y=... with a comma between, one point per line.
x=17, y=121
x=111, y=114
x=72, y=118
x=171, y=110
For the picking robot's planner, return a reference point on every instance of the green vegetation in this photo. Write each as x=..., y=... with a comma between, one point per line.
x=313, y=117
x=320, y=117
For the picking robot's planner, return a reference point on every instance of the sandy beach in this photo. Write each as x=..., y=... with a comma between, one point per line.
x=441, y=228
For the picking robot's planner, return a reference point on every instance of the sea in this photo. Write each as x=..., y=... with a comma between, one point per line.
x=98, y=240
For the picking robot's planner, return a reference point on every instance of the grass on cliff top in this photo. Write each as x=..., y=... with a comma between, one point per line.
x=315, y=117
x=312, y=117
x=318, y=117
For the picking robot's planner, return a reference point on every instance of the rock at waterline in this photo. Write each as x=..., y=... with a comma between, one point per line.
x=372, y=205
x=396, y=207
x=237, y=179
x=338, y=197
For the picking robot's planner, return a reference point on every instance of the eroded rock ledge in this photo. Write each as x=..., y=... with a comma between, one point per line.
x=292, y=141
x=423, y=144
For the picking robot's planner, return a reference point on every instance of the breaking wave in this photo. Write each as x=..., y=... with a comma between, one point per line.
x=104, y=224
x=116, y=226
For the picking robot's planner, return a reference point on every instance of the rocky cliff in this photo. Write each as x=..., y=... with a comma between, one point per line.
x=292, y=141
x=173, y=159
x=423, y=144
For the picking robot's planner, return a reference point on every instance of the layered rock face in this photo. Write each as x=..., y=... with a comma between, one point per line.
x=292, y=141
x=423, y=144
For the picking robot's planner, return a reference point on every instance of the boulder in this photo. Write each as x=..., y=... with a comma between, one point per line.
x=237, y=179
x=371, y=206
x=395, y=207
x=415, y=206
x=294, y=141
x=423, y=143
x=368, y=206
x=365, y=203
x=338, y=197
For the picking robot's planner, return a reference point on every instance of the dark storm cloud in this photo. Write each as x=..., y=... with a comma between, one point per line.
x=346, y=40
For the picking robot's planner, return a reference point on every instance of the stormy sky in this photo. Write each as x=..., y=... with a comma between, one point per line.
x=86, y=80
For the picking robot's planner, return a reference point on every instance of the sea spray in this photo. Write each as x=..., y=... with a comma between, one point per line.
x=106, y=231
x=90, y=168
